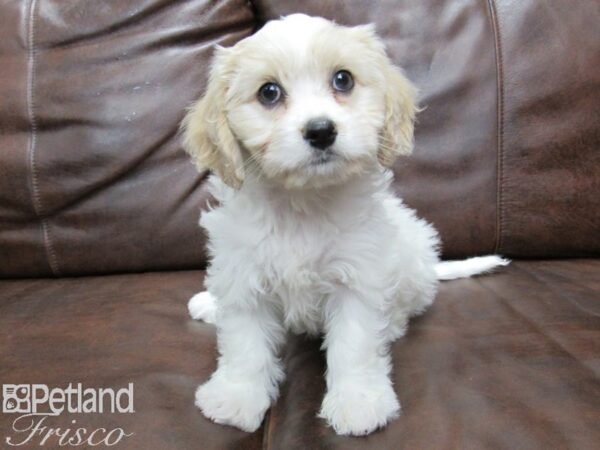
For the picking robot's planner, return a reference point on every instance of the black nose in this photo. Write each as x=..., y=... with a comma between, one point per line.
x=320, y=133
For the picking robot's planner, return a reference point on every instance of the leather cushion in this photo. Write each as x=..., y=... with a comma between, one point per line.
x=508, y=360
x=108, y=332
x=92, y=175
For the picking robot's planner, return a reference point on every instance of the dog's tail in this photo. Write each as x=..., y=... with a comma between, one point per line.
x=451, y=270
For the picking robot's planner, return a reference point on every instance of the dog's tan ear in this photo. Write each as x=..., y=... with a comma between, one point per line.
x=401, y=108
x=396, y=137
x=207, y=136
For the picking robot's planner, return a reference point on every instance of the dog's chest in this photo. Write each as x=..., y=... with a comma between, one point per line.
x=298, y=254
x=302, y=269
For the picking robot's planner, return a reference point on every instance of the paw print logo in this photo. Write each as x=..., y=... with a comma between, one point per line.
x=16, y=398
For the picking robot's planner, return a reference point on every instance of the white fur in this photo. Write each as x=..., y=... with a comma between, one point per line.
x=450, y=270
x=203, y=306
x=311, y=248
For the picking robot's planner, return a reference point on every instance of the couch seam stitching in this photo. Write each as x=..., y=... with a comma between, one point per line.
x=34, y=187
x=500, y=124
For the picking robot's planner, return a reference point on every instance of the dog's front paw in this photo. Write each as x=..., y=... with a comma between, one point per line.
x=358, y=409
x=239, y=404
x=203, y=306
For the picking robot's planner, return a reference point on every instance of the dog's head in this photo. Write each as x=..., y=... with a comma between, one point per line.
x=303, y=102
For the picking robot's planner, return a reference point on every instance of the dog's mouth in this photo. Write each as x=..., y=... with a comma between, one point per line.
x=325, y=168
x=323, y=157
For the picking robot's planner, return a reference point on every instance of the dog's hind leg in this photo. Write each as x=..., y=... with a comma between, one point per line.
x=203, y=306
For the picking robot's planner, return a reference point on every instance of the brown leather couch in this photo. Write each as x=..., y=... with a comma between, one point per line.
x=99, y=247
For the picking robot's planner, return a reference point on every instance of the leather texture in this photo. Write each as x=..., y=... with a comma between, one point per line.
x=549, y=128
x=91, y=160
x=498, y=362
x=110, y=331
x=506, y=156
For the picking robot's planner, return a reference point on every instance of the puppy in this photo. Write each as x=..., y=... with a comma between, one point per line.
x=299, y=124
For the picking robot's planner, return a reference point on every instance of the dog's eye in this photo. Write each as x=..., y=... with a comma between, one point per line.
x=269, y=94
x=342, y=81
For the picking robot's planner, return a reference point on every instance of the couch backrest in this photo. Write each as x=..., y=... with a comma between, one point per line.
x=93, y=179
x=507, y=152
x=92, y=176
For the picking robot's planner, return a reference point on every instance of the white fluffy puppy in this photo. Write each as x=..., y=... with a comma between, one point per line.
x=299, y=122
